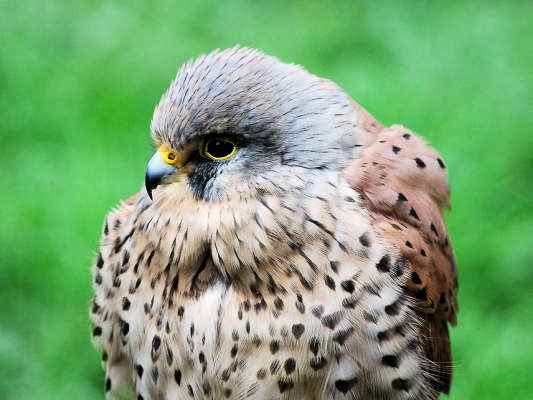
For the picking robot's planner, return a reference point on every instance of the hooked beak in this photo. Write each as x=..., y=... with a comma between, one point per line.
x=156, y=172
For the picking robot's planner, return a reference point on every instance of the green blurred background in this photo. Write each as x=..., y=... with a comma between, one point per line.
x=79, y=82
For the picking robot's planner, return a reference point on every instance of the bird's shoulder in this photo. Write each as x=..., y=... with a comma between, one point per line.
x=403, y=184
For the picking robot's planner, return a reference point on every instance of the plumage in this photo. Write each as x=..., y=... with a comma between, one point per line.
x=314, y=263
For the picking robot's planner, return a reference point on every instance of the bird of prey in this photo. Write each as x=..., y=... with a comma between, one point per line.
x=285, y=245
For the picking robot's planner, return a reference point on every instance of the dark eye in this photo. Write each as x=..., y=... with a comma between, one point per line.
x=218, y=149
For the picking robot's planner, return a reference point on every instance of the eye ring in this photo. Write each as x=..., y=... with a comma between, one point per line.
x=218, y=149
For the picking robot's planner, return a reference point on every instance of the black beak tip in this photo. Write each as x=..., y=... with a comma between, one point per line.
x=148, y=184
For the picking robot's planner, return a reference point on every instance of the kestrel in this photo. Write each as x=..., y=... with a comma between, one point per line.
x=286, y=245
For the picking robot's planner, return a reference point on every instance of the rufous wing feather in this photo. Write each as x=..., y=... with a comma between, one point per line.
x=403, y=184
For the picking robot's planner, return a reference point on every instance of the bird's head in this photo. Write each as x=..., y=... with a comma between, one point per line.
x=237, y=122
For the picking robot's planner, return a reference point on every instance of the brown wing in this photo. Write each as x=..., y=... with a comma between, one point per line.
x=404, y=185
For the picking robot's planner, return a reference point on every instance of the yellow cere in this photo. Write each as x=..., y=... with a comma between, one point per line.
x=170, y=156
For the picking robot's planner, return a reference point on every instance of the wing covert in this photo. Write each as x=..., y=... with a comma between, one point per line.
x=403, y=184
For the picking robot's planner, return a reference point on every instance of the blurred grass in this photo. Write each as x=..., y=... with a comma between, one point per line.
x=78, y=84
